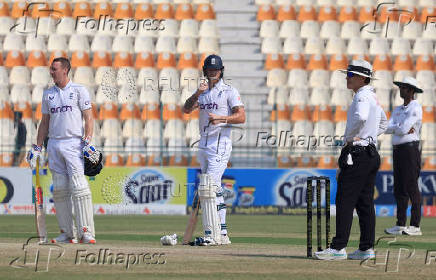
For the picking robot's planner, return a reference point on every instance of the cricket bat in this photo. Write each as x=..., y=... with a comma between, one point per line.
x=187, y=237
x=39, y=208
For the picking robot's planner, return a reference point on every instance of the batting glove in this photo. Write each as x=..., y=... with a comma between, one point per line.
x=90, y=152
x=33, y=155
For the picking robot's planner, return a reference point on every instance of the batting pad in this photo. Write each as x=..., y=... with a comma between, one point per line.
x=211, y=222
x=63, y=203
x=82, y=202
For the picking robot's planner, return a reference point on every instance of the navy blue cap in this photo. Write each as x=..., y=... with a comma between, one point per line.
x=213, y=62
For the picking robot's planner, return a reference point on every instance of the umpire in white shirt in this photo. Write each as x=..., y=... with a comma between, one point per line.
x=405, y=125
x=359, y=162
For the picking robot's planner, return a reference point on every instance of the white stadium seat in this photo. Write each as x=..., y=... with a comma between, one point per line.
x=298, y=78
x=298, y=96
x=189, y=28
x=170, y=28
x=293, y=45
x=66, y=26
x=20, y=93
x=40, y=76
x=208, y=45
x=152, y=129
x=149, y=96
x=319, y=96
x=148, y=77
x=6, y=24
x=132, y=128
x=144, y=44
x=4, y=77
x=19, y=75
x=412, y=31
x=111, y=128
x=400, y=46
x=330, y=29
x=173, y=129
x=169, y=78
x=187, y=45
x=269, y=28
x=335, y=45
x=379, y=45
x=189, y=78
x=357, y=46
x=101, y=42
x=208, y=28
x=309, y=28
x=278, y=95
x=337, y=80
x=426, y=79
x=271, y=45
x=84, y=75
x=289, y=28
x=35, y=43
x=122, y=44
x=37, y=94
x=341, y=97
x=57, y=42
x=169, y=96
x=350, y=29
x=13, y=42
x=319, y=78
x=166, y=44
x=276, y=78
x=314, y=45
x=383, y=80
x=78, y=42
x=423, y=46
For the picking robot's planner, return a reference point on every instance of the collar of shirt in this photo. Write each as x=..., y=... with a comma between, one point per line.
x=364, y=88
x=218, y=86
x=65, y=88
x=411, y=104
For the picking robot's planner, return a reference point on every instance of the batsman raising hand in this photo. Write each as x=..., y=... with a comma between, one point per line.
x=220, y=106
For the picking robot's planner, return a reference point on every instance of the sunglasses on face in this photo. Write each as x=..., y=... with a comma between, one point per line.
x=350, y=74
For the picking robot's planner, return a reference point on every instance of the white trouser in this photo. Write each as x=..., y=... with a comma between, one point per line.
x=213, y=160
x=65, y=159
x=65, y=156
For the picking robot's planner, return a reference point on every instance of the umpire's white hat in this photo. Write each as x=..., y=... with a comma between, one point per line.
x=409, y=82
x=359, y=67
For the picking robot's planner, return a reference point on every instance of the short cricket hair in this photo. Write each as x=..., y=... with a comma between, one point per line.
x=65, y=62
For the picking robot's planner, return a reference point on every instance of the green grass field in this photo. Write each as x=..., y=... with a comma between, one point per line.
x=264, y=247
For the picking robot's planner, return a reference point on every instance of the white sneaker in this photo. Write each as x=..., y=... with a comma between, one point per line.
x=64, y=238
x=412, y=231
x=395, y=230
x=362, y=255
x=331, y=254
x=87, y=237
x=225, y=240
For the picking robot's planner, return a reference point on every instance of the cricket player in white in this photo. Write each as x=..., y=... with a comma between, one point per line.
x=63, y=107
x=220, y=106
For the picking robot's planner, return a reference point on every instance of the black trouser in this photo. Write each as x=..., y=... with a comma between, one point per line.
x=356, y=191
x=407, y=165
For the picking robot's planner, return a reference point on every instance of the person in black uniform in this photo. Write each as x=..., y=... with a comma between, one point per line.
x=405, y=125
x=359, y=162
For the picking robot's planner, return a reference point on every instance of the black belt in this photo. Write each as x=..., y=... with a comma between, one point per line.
x=408, y=144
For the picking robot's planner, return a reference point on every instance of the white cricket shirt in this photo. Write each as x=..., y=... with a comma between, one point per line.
x=65, y=108
x=402, y=120
x=218, y=100
x=365, y=118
